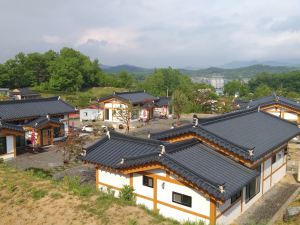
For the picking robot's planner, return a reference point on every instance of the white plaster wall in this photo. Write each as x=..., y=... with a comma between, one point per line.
x=158, y=172
x=116, y=180
x=10, y=144
x=290, y=116
x=145, y=202
x=267, y=167
x=179, y=215
x=200, y=204
x=92, y=114
x=7, y=157
x=9, y=148
x=139, y=188
x=267, y=184
x=278, y=175
x=230, y=214
x=66, y=123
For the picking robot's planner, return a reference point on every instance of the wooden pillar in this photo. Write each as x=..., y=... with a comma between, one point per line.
x=131, y=180
x=52, y=135
x=213, y=212
x=298, y=120
x=97, y=177
x=14, y=145
x=154, y=193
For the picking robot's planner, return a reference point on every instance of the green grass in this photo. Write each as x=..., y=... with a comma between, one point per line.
x=19, y=187
x=37, y=194
x=82, y=98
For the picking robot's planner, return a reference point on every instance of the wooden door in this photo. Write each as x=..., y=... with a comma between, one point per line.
x=46, y=137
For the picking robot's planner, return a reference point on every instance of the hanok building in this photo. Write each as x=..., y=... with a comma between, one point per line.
x=33, y=122
x=278, y=106
x=212, y=170
x=24, y=93
x=143, y=105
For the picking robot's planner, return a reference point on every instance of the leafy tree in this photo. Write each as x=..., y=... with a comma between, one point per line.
x=179, y=101
x=167, y=80
x=262, y=91
x=124, y=115
x=236, y=86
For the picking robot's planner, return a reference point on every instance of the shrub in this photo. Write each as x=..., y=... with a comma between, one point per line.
x=127, y=193
x=73, y=185
x=1, y=161
x=37, y=194
x=41, y=173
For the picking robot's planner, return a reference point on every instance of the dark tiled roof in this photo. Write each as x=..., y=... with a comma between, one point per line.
x=163, y=101
x=18, y=109
x=273, y=99
x=241, y=131
x=190, y=159
x=9, y=126
x=27, y=92
x=41, y=121
x=134, y=97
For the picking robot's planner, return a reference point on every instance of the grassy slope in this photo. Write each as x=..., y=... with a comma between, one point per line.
x=82, y=98
x=31, y=197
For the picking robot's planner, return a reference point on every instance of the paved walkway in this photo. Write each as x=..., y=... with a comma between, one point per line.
x=266, y=207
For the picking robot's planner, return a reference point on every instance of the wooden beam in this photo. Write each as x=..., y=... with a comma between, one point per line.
x=154, y=193
x=213, y=212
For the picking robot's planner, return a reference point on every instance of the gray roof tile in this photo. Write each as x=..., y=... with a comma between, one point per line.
x=190, y=159
x=18, y=109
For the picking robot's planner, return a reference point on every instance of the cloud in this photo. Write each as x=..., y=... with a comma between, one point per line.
x=154, y=33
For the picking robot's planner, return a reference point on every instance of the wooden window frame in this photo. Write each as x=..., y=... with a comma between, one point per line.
x=188, y=204
x=146, y=181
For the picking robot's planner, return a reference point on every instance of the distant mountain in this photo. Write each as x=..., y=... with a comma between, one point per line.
x=239, y=64
x=228, y=73
x=127, y=68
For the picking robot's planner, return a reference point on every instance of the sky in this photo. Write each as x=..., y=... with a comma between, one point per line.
x=154, y=33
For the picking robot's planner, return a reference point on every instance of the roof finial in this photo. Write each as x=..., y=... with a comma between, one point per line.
x=258, y=109
x=195, y=120
x=149, y=134
x=251, y=152
x=0, y=121
x=48, y=117
x=222, y=188
x=108, y=134
x=163, y=149
x=122, y=161
x=58, y=98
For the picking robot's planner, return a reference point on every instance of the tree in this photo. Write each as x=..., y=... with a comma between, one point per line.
x=124, y=115
x=71, y=147
x=262, y=91
x=167, y=80
x=179, y=101
x=236, y=87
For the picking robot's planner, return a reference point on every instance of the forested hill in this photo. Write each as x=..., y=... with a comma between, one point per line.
x=243, y=72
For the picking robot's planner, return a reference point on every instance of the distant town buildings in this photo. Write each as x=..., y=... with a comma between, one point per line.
x=217, y=81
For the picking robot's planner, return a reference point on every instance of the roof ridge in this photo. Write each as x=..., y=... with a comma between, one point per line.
x=181, y=145
x=28, y=100
x=138, y=139
x=230, y=115
x=170, y=130
x=130, y=92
